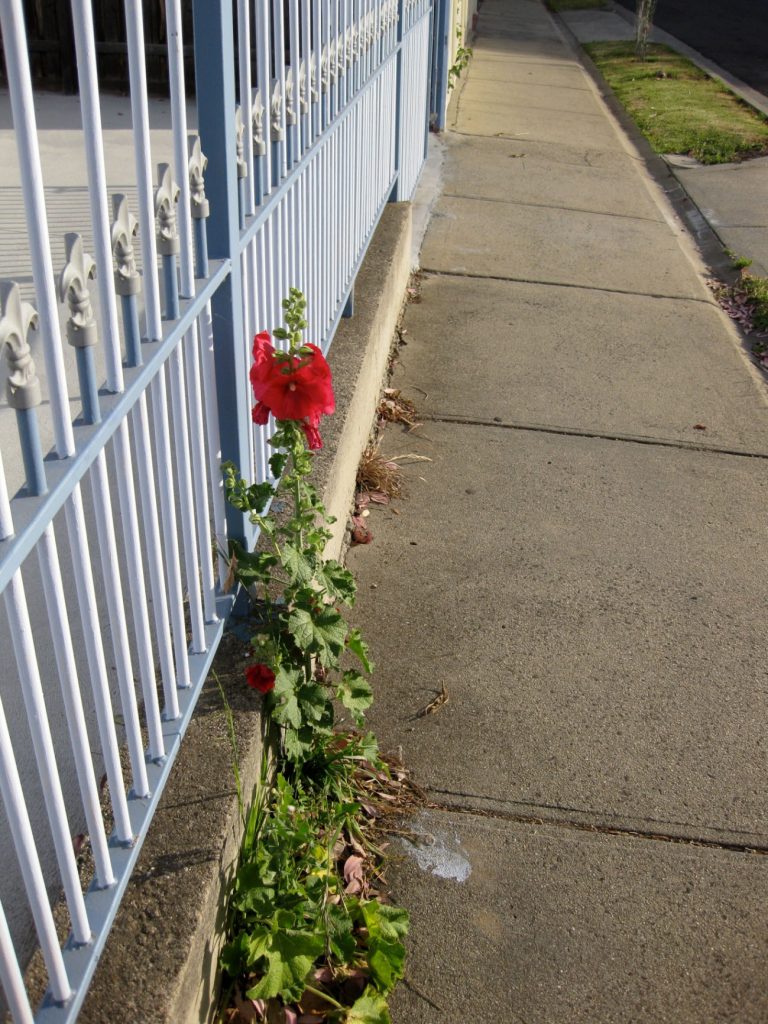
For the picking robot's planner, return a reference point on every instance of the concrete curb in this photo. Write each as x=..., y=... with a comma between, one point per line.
x=358, y=361
x=160, y=962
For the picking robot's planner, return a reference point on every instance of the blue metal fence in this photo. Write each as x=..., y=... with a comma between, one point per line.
x=311, y=116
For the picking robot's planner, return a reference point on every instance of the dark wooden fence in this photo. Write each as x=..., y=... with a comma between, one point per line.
x=52, y=45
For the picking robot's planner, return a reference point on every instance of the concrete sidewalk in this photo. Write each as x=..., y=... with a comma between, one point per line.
x=582, y=565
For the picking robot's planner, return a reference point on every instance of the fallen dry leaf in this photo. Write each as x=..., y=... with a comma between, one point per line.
x=360, y=532
x=354, y=875
x=434, y=705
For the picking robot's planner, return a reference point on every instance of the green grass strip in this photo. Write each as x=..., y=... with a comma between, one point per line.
x=678, y=107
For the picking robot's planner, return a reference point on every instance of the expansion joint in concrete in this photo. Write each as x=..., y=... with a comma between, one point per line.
x=555, y=821
x=539, y=85
x=422, y=995
x=550, y=206
x=538, y=428
x=565, y=284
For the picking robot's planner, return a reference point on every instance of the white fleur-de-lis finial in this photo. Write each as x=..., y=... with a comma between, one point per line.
x=16, y=319
x=257, y=123
x=325, y=68
x=124, y=230
x=303, y=104
x=276, y=112
x=198, y=161
x=166, y=197
x=313, y=82
x=79, y=269
x=290, y=107
x=242, y=166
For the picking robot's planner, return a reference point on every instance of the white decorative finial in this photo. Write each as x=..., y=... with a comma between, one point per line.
x=325, y=68
x=290, y=107
x=16, y=319
x=313, y=83
x=198, y=161
x=275, y=112
x=124, y=230
x=257, y=124
x=303, y=102
x=242, y=166
x=166, y=197
x=79, y=269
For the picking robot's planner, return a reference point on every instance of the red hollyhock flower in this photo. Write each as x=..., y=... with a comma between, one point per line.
x=297, y=387
x=312, y=434
x=260, y=414
x=260, y=677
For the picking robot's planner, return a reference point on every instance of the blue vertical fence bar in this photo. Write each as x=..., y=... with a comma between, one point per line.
x=440, y=56
x=215, y=86
x=397, y=191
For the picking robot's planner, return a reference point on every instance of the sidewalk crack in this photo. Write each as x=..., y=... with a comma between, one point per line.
x=551, y=206
x=566, y=284
x=538, y=428
x=574, y=825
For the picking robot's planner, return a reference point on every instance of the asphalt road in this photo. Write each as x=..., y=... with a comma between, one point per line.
x=733, y=33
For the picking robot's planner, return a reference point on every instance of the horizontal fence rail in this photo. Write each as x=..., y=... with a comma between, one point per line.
x=125, y=353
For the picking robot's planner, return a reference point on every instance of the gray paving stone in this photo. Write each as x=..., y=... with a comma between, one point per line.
x=561, y=246
x=594, y=609
x=672, y=368
x=554, y=926
x=546, y=174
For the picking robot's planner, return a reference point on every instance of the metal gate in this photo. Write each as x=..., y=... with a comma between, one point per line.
x=131, y=366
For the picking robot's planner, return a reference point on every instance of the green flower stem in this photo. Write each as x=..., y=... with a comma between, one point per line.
x=325, y=996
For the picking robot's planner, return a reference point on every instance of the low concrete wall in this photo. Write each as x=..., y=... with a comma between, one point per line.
x=160, y=962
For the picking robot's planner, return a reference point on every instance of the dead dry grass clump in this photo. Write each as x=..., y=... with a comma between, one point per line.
x=379, y=473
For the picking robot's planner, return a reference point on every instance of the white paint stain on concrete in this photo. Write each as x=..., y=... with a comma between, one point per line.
x=438, y=852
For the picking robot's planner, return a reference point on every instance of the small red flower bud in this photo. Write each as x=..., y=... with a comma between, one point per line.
x=260, y=677
x=260, y=414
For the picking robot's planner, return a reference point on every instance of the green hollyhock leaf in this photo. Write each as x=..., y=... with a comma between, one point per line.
x=359, y=648
x=386, y=953
x=314, y=702
x=386, y=960
x=277, y=463
x=296, y=565
x=338, y=582
x=234, y=956
x=355, y=694
x=252, y=566
x=385, y=921
x=302, y=628
x=369, y=748
x=290, y=956
x=370, y=1008
x=340, y=937
x=285, y=709
x=298, y=743
x=287, y=712
x=322, y=634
